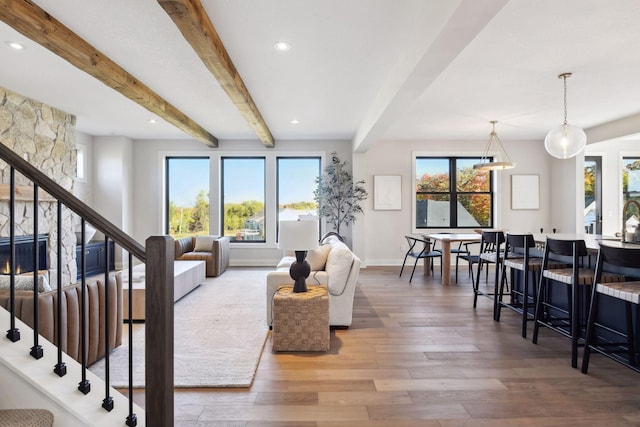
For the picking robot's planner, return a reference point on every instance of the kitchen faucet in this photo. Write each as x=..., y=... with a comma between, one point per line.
x=624, y=211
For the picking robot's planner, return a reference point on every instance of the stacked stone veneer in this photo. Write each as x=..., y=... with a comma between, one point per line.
x=45, y=136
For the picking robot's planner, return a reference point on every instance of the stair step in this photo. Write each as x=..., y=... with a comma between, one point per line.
x=26, y=418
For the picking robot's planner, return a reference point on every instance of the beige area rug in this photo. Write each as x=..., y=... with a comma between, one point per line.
x=220, y=331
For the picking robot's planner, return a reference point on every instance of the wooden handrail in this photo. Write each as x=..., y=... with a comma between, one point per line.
x=69, y=200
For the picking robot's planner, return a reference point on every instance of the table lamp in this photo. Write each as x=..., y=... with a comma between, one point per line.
x=299, y=236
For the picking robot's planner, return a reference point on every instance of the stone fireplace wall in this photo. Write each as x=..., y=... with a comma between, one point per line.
x=45, y=137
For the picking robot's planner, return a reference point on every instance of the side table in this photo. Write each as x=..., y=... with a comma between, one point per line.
x=301, y=320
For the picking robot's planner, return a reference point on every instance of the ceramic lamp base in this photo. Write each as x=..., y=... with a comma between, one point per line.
x=299, y=271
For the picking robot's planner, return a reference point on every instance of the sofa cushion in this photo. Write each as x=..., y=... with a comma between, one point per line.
x=204, y=243
x=339, y=263
x=317, y=258
x=25, y=283
x=285, y=262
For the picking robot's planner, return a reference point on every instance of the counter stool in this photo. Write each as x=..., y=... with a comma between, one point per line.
x=517, y=258
x=490, y=253
x=548, y=313
x=629, y=293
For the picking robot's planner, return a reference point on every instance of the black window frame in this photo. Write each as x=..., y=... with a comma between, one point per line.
x=454, y=193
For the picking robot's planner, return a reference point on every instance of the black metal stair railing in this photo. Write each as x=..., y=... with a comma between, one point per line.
x=154, y=398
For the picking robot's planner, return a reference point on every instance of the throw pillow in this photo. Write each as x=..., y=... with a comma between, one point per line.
x=317, y=258
x=338, y=267
x=204, y=243
x=25, y=283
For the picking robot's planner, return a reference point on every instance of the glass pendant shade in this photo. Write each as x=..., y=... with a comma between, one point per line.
x=565, y=141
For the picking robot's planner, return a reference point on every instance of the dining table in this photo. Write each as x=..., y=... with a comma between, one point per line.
x=446, y=239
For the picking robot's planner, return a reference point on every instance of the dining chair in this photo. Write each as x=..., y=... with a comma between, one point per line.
x=604, y=338
x=468, y=256
x=423, y=251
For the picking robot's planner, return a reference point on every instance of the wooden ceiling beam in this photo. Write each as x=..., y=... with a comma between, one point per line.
x=36, y=24
x=197, y=29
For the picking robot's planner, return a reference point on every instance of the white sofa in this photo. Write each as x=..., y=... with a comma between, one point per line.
x=332, y=265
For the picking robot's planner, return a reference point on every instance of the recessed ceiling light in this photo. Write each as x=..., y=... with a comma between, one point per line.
x=15, y=45
x=281, y=46
x=294, y=122
x=152, y=121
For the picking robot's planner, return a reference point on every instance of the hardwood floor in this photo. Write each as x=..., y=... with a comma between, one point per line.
x=419, y=355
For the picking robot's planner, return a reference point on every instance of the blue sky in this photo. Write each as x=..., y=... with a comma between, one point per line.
x=186, y=178
x=244, y=179
x=297, y=179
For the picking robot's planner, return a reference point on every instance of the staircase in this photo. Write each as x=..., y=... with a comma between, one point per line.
x=34, y=373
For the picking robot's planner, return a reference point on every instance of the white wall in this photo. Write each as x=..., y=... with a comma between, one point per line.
x=384, y=231
x=112, y=177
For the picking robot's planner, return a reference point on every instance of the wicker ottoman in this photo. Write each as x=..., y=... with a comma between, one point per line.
x=301, y=320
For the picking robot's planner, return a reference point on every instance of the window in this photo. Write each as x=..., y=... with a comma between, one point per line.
x=187, y=200
x=243, y=198
x=450, y=193
x=295, y=185
x=81, y=163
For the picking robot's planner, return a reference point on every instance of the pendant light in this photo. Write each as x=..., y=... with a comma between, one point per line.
x=565, y=141
x=503, y=161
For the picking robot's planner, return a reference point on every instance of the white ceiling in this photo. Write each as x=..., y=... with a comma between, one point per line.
x=362, y=70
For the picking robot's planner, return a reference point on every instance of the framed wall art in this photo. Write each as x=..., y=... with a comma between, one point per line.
x=525, y=191
x=387, y=192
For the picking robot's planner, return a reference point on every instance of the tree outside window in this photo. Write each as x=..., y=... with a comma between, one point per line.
x=450, y=193
x=187, y=198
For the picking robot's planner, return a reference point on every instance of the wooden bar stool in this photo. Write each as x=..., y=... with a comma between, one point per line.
x=627, y=292
x=548, y=312
x=490, y=253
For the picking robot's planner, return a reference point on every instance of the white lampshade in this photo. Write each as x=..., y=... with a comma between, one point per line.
x=565, y=141
x=298, y=235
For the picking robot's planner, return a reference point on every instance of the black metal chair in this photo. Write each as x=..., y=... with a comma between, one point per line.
x=424, y=252
x=490, y=253
x=469, y=257
x=604, y=342
x=550, y=309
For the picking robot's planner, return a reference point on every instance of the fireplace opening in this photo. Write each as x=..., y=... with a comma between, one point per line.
x=24, y=254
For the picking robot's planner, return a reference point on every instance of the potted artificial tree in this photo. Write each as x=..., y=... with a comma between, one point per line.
x=337, y=196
